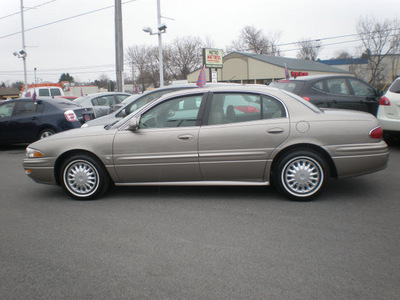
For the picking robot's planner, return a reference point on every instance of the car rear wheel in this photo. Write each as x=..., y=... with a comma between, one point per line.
x=301, y=175
x=84, y=177
x=45, y=133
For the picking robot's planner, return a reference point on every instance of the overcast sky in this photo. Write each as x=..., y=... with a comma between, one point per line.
x=85, y=46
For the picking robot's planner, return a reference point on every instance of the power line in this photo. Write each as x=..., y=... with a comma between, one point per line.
x=65, y=19
x=29, y=8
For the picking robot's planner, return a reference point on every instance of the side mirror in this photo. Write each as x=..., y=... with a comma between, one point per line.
x=134, y=124
x=379, y=92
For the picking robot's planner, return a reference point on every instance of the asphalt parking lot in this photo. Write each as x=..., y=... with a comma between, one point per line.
x=199, y=243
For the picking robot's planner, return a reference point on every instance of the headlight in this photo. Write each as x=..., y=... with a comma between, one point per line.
x=84, y=125
x=32, y=153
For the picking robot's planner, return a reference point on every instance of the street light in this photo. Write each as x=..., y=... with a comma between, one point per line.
x=161, y=29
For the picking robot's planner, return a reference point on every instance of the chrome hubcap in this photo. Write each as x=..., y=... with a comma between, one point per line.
x=81, y=178
x=302, y=176
x=46, y=134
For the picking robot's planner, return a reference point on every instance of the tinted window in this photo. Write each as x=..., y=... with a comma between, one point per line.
x=395, y=87
x=120, y=98
x=337, y=86
x=178, y=112
x=6, y=109
x=44, y=92
x=319, y=85
x=287, y=85
x=24, y=108
x=55, y=92
x=360, y=88
x=238, y=107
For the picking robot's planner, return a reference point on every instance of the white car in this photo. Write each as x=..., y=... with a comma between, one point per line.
x=389, y=111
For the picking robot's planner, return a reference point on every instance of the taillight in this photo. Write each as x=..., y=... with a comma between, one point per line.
x=384, y=101
x=376, y=133
x=70, y=116
x=307, y=98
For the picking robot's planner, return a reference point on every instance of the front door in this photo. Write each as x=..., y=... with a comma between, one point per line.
x=164, y=147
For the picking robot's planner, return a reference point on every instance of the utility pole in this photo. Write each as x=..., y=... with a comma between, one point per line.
x=23, y=54
x=160, y=54
x=119, y=50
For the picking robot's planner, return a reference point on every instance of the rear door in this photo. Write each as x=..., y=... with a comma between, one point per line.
x=164, y=147
x=242, y=131
x=23, y=125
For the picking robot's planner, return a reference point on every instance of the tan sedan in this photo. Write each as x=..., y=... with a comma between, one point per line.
x=233, y=135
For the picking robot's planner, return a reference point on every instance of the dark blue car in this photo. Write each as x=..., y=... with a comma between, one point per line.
x=25, y=120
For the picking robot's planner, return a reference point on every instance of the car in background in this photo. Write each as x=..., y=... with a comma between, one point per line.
x=101, y=102
x=136, y=101
x=25, y=121
x=234, y=135
x=389, y=112
x=334, y=91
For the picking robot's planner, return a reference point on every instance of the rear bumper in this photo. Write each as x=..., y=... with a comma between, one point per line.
x=354, y=160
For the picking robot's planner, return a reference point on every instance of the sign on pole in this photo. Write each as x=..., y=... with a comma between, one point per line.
x=212, y=58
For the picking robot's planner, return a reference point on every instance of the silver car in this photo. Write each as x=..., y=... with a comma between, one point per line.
x=101, y=102
x=232, y=135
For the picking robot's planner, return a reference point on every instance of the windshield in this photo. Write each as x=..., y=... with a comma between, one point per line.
x=80, y=100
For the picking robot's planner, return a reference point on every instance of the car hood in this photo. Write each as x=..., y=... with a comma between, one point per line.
x=94, y=132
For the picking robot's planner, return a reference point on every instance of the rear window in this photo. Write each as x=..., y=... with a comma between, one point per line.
x=63, y=104
x=305, y=102
x=287, y=85
x=395, y=87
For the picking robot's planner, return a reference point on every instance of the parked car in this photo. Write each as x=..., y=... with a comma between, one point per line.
x=230, y=135
x=334, y=91
x=24, y=121
x=389, y=112
x=136, y=101
x=101, y=102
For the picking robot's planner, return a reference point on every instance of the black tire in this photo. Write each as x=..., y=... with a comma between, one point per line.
x=45, y=133
x=84, y=177
x=301, y=175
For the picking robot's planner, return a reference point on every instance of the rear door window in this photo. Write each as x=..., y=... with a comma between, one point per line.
x=240, y=107
x=337, y=86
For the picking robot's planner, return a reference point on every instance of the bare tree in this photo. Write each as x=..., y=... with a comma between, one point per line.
x=144, y=64
x=379, y=39
x=254, y=40
x=309, y=49
x=183, y=57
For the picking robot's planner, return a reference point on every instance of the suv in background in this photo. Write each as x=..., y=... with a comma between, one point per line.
x=334, y=91
x=389, y=112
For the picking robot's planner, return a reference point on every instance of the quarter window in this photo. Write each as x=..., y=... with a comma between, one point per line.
x=178, y=112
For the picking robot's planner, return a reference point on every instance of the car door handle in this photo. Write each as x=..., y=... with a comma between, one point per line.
x=34, y=118
x=186, y=137
x=275, y=130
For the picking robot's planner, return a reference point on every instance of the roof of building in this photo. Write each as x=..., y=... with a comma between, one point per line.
x=293, y=63
x=347, y=61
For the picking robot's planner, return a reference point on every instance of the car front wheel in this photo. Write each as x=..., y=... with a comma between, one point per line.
x=84, y=177
x=301, y=175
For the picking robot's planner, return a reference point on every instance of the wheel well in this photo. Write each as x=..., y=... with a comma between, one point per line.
x=60, y=160
x=308, y=147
